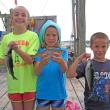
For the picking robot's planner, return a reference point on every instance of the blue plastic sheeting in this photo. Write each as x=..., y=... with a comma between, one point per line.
x=0, y=33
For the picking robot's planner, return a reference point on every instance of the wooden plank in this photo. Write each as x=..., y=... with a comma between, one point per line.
x=3, y=88
x=8, y=107
x=4, y=101
x=75, y=91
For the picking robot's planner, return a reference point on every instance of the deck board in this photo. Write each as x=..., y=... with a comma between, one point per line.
x=75, y=91
x=4, y=101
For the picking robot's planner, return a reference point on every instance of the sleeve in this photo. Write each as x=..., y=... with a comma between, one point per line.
x=3, y=47
x=34, y=45
x=81, y=69
x=37, y=59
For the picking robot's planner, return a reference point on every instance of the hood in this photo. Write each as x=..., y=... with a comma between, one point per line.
x=47, y=24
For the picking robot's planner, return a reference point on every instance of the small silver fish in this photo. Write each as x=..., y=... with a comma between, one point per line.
x=9, y=62
x=49, y=52
x=89, y=74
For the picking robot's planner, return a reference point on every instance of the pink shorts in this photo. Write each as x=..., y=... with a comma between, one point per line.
x=18, y=97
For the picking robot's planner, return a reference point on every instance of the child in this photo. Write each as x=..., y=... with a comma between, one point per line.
x=96, y=72
x=50, y=67
x=24, y=43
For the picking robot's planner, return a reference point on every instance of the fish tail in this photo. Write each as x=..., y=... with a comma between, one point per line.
x=14, y=78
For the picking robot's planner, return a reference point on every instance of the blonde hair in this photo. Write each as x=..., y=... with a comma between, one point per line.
x=11, y=15
x=20, y=7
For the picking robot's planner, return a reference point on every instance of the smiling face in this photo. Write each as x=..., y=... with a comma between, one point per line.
x=99, y=47
x=51, y=37
x=20, y=17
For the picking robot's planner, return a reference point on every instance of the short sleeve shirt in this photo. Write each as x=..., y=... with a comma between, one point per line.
x=26, y=79
x=51, y=81
x=99, y=97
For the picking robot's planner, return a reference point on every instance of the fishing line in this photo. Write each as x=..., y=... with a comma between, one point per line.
x=45, y=5
x=5, y=105
x=81, y=84
x=76, y=94
x=3, y=94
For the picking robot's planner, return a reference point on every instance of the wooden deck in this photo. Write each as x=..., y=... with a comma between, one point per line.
x=74, y=90
x=4, y=101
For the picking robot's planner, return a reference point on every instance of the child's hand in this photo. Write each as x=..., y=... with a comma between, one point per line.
x=13, y=45
x=57, y=57
x=45, y=59
x=84, y=57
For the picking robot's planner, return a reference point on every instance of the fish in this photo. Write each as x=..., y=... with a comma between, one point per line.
x=89, y=74
x=49, y=52
x=9, y=63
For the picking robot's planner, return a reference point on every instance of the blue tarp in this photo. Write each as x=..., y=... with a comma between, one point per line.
x=0, y=33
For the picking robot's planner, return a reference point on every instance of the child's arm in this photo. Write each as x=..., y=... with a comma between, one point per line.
x=72, y=69
x=27, y=58
x=63, y=64
x=2, y=62
x=40, y=64
x=38, y=67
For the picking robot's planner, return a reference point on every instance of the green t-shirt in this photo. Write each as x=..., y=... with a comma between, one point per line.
x=29, y=43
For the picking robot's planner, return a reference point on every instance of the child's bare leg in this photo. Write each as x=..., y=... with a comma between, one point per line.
x=29, y=105
x=17, y=105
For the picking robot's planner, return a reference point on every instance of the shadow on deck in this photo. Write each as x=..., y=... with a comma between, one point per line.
x=74, y=89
